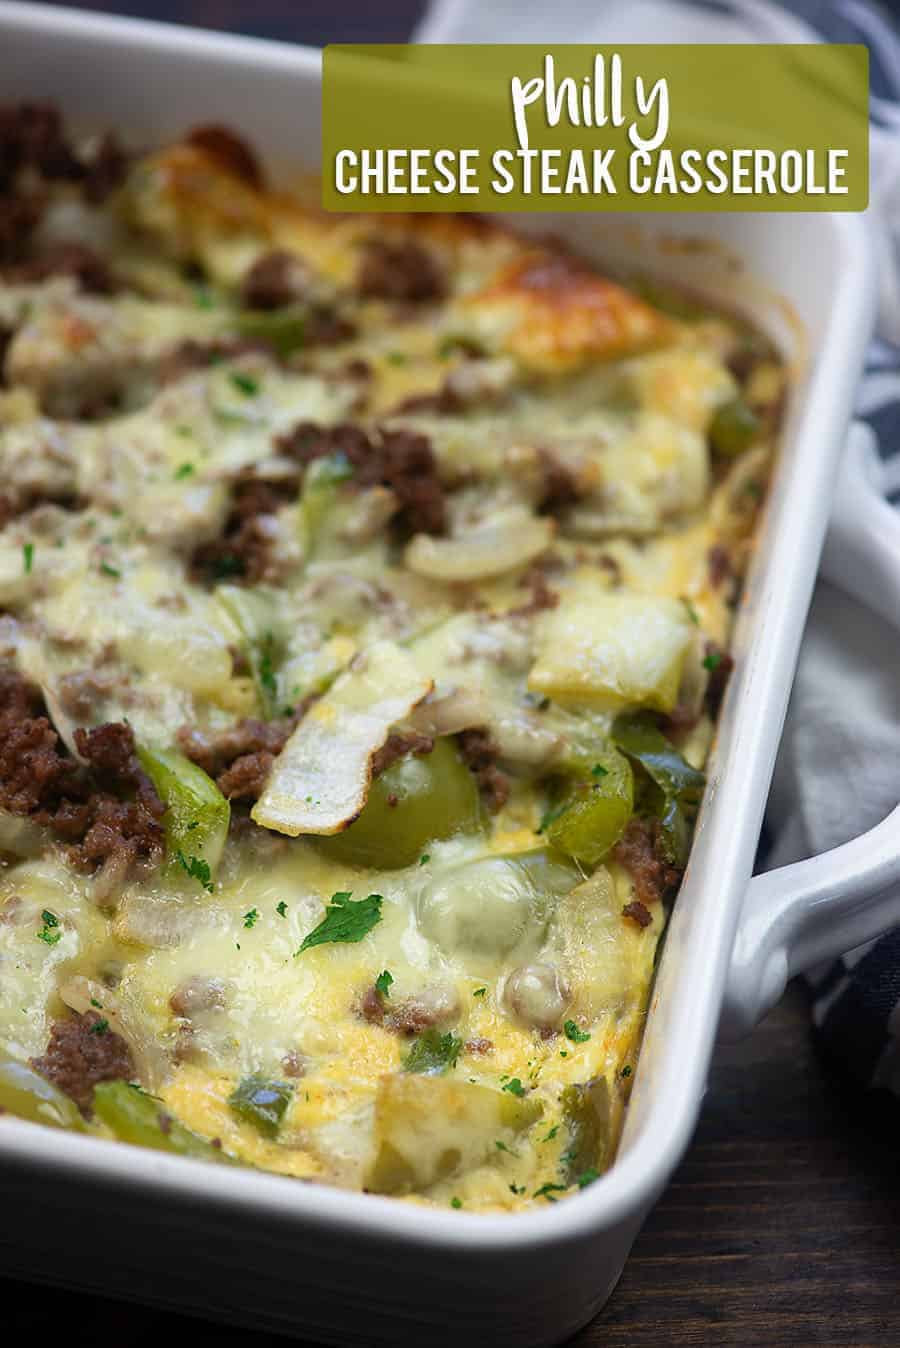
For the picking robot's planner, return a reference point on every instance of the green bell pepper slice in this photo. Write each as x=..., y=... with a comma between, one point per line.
x=592, y=815
x=136, y=1117
x=28, y=1095
x=733, y=428
x=674, y=787
x=262, y=1102
x=417, y=800
x=197, y=814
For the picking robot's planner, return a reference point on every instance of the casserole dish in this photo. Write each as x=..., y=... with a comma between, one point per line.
x=334, y=1266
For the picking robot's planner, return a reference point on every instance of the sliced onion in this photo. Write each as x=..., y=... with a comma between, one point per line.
x=512, y=539
x=33, y=664
x=156, y=922
x=320, y=780
x=462, y=709
x=20, y=836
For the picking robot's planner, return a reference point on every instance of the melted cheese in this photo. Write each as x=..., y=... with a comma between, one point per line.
x=541, y=356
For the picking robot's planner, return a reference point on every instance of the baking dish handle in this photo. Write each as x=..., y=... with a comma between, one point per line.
x=814, y=910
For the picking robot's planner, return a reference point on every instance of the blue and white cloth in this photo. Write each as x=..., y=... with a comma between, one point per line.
x=838, y=770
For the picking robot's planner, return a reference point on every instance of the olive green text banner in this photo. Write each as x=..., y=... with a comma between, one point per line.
x=584, y=128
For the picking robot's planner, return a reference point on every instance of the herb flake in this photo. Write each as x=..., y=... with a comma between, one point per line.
x=245, y=383
x=345, y=920
x=515, y=1087
x=432, y=1053
x=197, y=869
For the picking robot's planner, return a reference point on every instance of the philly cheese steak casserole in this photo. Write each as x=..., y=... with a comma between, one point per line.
x=365, y=596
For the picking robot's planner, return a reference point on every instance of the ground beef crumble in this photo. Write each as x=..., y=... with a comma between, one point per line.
x=243, y=552
x=640, y=851
x=638, y=912
x=559, y=485
x=408, y=1017
x=32, y=138
x=240, y=758
x=480, y=755
x=77, y=260
x=272, y=281
x=399, y=459
x=83, y=1051
x=106, y=809
x=400, y=270
x=231, y=151
x=189, y=355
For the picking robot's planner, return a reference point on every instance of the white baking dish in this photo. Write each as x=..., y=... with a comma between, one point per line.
x=342, y=1267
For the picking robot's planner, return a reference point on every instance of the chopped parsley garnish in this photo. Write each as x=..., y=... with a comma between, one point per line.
x=598, y=770
x=712, y=661
x=517, y=1189
x=572, y=1032
x=94, y=1002
x=501, y=1146
x=99, y=1026
x=479, y=992
x=110, y=571
x=626, y=1071
x=245, y=383
x=27, y=557
x=432, y=1053
x=548, y=1190
x=50, y=932
x=424, y=859
x=383, y=983
x=587, y=1177
x=197, y=869
x=281, y=908
x=552, y=1133
x=456, y=1203
x=691, y=611
x=514, y=1086
x=183, y=470
x=345, y=919
x=251, y=918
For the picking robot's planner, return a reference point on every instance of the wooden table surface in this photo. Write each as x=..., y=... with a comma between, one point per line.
x=782, y=1225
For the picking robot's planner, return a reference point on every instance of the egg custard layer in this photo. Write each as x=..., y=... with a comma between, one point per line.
x=366, y=588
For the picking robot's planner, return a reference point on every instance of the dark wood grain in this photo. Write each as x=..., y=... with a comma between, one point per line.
x=782, y=1225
